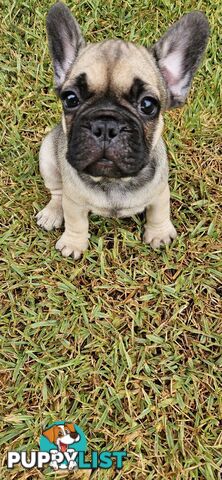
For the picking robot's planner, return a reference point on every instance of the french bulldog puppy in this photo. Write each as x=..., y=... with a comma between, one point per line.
x=107, y=155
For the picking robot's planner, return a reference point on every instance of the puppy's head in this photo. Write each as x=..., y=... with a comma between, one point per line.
x=114, y=93
x=62, y=435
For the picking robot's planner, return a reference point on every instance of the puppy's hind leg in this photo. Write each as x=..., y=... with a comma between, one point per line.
x=52, y=215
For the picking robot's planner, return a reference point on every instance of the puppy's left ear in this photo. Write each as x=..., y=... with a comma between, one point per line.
x=179, y=52
x=65, y=40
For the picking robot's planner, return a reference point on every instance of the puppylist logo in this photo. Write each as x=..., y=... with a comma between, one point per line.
x=63, y=447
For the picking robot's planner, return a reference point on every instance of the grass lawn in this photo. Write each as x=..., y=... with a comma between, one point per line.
x=126, y=342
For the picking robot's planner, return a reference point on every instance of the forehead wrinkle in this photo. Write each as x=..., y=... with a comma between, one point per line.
x=123, y=78
x=114, y=64
x=131, y=65
x=96, y=75
x=103, y=57
x=91, y=62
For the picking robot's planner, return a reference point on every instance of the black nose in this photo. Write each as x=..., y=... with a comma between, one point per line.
x=73, y=435
x=104, y=129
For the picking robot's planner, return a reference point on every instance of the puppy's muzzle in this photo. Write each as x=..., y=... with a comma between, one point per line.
x=106, y=144
x=105, y=132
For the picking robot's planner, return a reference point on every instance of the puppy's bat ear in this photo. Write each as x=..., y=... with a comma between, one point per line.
x=65, y=40
x=179, y=52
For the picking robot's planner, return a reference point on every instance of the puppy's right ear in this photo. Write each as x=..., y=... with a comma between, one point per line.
x=65, y=40
x=50, y=434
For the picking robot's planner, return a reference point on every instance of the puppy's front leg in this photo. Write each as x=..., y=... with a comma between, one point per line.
x=159, y=228
x=52, y=215
x=74, y=240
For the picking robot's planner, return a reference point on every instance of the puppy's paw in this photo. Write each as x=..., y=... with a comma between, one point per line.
x=157, y=235
x=72, y=465
x=54, y=465
x=70, y=246
x=51, y=216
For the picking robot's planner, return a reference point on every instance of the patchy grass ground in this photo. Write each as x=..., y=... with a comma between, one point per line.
x=125, y=342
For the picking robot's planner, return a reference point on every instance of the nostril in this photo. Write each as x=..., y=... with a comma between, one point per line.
x=112, y=133
x=97, y=132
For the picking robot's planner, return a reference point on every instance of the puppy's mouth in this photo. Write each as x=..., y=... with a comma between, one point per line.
x=104, y=163
x=63, y=447
x=102, y=166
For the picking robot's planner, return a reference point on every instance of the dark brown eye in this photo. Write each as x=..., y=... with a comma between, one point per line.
x=70, y=100
x=149, y=106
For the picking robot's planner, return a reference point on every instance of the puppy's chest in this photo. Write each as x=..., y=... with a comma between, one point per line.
x=117, y=211
x=116, y=201
x=116, y=204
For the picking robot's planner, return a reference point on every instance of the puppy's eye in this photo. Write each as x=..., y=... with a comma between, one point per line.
x=70, y=99
x=149, y=106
